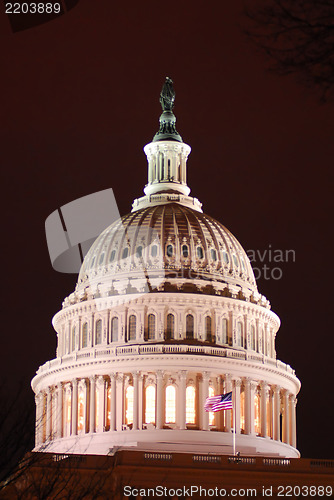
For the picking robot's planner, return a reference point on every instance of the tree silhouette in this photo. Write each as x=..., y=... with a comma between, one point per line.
x=298, y=37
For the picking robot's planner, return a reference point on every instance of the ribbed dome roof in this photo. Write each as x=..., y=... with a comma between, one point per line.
x=172, y=241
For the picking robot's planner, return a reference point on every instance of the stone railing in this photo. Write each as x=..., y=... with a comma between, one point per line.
x=161, y=349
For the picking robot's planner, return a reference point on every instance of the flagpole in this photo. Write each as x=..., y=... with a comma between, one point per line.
x=234, y=422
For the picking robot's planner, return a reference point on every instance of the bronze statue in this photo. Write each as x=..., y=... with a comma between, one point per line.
x=167, y=95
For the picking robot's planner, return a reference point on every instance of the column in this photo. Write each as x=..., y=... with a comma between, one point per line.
x=39, y=419
x=92, y=389
x=277, y=405
x=227, y=413
x=100, y=386
x=236, y=398
x=74, y=407
x=205, y=393
x=286, y=419
x=135, y=400
x=293, y=402
x=112, y=401
x=160, y=400
x=219, y=417
x=48, y=414
x=119, y=401
x=59, y=425
x=182, y=399
x=140, y=400
x=263, y=409
x=250, y=387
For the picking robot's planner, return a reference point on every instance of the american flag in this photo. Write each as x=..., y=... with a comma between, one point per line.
x=221, y=402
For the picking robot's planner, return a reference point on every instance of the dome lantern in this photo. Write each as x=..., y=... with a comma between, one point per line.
x=167, y=158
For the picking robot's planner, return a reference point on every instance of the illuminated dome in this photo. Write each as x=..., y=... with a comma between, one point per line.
x=166, y=312
x=182, y=243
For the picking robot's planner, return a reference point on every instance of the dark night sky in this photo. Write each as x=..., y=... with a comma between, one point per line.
x=80, y=100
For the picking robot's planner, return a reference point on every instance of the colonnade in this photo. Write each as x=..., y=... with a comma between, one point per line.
x=158, y=400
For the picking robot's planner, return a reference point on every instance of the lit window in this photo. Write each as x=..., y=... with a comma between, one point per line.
x=190, y=326
x=208, y=328
x=85, y=335
x=170, y=326
x=108, y=416
x=242, y=411
x=224, y=331
x=226, y=257
x=114, y=329
x=239, y=334
x=73, y=338
x=112, y=255
x=235, y=260
x=125, y=253
x=98, y=331
x=243, y=264
x=101, y=258
x=213, y=254
x=253, y=346
x=132, y=327
x=81, y=409
x=190, y=405
x=93, y=262
x=185, y=251
x=170, y=416
x=150, y=405
x=129, y=405
x=169, y=250
x=211, y=413
x=257, y=421
x=154, y=250
x=151, y=326
x=269, y=422
x=200, y=253
x=68, y=412
x=139, y=251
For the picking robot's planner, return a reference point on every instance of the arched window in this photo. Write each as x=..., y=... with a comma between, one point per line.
x=170, y=415
x=235, y=260
x=132, y=327
x=226, y=257
x=257, y=419
x=253, y=343
x=169, y=250
x=189, y=326
x=211, y=413
x=170, y=326
x=73, y=338
x=81, y=410
x=242, y=411
x=98, y=331
x=93, y=262
x=129, y=405
x=190, y=405
x=101, y=258
x=151, y=327
x=213, y=254
x=208, y=328
x=154, y=251
x=139, y=251
x=224, y=331
x=150, y=404
x=185, y=251
x=84, y=342
x=114, y=329
x=200, y=253
x=239, y=334
x=108, y=415
x=112, y=255
x=125, y=253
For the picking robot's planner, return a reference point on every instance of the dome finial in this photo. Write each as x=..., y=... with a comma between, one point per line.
x=167, y=130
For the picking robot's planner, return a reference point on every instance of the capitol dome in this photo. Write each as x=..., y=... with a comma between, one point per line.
x=173, y=242
x=166, y=313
